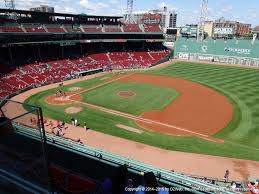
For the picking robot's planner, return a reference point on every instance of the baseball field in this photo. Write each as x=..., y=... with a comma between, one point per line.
x=188, y=107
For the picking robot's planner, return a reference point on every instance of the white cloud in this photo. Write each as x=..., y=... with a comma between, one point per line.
x=170, y=7
x=26, y=4
x=226, y=8
x=61, y=9
x=252, y=13
x=114, y=1
x=94, y=6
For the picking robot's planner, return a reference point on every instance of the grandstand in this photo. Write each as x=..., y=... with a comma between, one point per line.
x=43, y=69
x=84, y=24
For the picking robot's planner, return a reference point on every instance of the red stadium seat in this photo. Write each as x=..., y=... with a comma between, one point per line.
x=10, y=29
x=131, y=28
x=56, y=70
x=152, y=28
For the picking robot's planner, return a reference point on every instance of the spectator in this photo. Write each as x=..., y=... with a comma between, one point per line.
x=118, y=183
x=58, y=124
x=51, y=124
x=226, y=176
x=252, y=188
x=151, y=182
x=233, y=185
x=62, y=124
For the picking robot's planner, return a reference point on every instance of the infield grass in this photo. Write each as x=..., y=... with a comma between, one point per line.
x=240, y=85
x=147, y=97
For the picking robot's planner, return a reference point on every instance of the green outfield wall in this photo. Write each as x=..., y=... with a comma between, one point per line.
x=243, y=52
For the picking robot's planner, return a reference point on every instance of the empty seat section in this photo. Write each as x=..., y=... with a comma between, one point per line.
x=131, y=28
x=34, y=28
x=119, y=56
x=152, y=28
x=112, y=28
x=72, y=28
x=54, y=28
x=140, y=56
x=12, y=27
x=99, y=57
x=92, y=28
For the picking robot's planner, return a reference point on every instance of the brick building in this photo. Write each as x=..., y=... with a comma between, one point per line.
x=223, y=27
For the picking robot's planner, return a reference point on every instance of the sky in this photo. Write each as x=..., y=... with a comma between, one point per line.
x=188, y=10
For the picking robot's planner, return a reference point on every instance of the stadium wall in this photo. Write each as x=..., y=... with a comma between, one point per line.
x=242, y=52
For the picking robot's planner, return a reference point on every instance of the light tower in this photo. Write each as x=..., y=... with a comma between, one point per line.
x=129, y=12
x=203, y=19
x=9, y=4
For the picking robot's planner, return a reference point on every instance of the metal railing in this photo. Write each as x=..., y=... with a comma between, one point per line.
x=169, y=178
x=20, y=183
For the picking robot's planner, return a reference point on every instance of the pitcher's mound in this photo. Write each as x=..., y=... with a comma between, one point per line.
x=73, y=110
x=75, y=89
x=126, y=94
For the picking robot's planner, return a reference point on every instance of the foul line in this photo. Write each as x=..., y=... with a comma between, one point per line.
x=149, y=121
x=99, y=85
x=138, y=118
x=125, y=115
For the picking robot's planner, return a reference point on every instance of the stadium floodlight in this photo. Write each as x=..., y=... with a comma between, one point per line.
x=254, y=38
x=129, y=12
x=9, y=4
x=203, y=19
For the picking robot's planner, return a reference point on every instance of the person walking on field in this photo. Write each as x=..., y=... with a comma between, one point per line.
x=85, y=127
x=73, y=121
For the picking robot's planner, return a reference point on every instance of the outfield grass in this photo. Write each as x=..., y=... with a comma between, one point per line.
x=240, y=85
x=148, y=97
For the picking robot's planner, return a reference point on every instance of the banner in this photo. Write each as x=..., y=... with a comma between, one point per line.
x=169, y=44
x=223, y=31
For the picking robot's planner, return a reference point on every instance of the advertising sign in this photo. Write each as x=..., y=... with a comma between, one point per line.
x=223, y=31
x=184, y=56
x=168, y=44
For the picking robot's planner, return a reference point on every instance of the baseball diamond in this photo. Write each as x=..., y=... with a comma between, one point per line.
x=210, y=98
